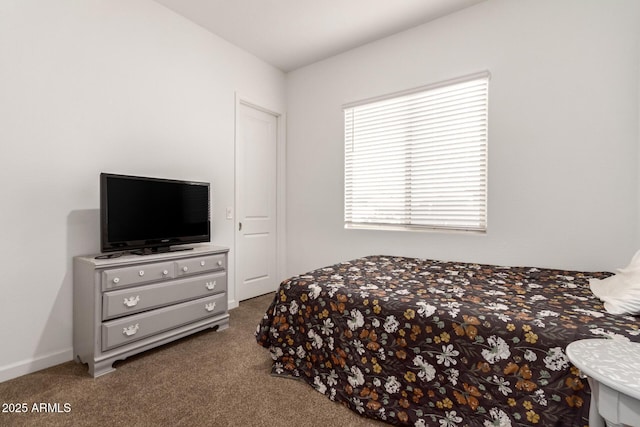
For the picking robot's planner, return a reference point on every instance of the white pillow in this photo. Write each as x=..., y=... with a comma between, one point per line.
x=620, y=292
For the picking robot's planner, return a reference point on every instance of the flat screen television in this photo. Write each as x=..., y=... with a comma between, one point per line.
x=148, y=215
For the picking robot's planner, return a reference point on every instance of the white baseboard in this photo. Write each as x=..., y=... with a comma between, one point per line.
x=25, y=367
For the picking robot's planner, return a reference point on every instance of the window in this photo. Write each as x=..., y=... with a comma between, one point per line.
x=418, y=159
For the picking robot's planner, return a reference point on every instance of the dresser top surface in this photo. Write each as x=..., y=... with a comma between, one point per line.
x=128, y=259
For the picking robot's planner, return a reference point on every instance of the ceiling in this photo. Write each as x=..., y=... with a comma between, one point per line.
x=289, y=34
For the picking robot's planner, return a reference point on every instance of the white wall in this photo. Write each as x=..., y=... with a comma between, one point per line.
x=563, y=142
x=123, y=86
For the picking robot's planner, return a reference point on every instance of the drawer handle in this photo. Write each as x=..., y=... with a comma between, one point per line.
x=141, y=273
x=202, y=263
x=219, y=263
x=165, y=272
x=210, y=307
x=211, y=285
x=185, y=268
x=132, y=302
x=131, y=330
x=116, y=280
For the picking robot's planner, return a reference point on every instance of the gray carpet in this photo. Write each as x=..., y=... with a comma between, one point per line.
x=208, y=379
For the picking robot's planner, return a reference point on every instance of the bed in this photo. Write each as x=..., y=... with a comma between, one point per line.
x=434, y=343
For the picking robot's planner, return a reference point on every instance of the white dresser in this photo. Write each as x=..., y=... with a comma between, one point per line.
x=126, y=305
x=613, y=370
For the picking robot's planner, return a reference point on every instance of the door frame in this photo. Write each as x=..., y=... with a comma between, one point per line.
x=280, y=190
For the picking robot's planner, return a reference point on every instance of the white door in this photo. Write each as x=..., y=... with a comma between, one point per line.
x=256, y=163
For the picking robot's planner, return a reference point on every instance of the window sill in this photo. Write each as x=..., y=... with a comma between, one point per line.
x=415, y=228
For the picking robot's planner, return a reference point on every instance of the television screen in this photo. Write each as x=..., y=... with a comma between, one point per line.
x=152, y=213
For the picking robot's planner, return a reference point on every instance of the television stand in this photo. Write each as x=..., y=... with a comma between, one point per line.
x=126, y=305
x=160, y=250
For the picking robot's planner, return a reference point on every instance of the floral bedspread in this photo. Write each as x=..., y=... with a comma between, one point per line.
x=432, y=343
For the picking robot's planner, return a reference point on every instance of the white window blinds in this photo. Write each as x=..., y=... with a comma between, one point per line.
x=419, y=159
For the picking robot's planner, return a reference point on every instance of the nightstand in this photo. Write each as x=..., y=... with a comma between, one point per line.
x=613, y=371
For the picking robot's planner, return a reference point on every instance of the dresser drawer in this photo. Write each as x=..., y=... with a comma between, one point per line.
x=138, y=326
x=200, y=265
x=134, y=300
x=127, y=276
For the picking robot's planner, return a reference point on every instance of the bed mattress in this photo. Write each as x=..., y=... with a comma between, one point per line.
x=434, y=343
